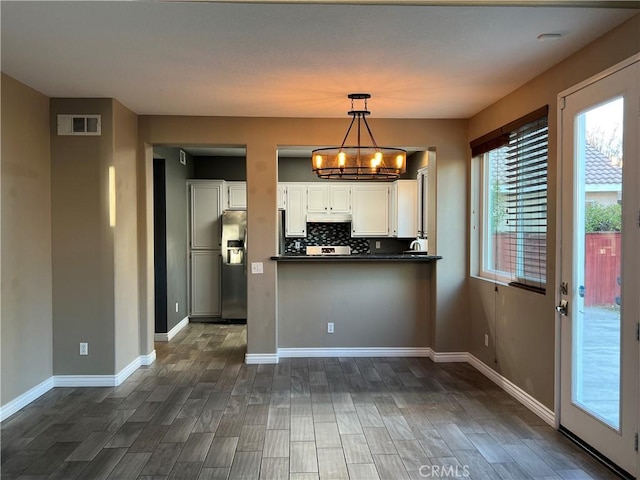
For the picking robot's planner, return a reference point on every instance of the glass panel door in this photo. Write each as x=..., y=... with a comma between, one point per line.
x=599, y=300
x=595, y=376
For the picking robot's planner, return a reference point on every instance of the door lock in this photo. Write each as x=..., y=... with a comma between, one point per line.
x=563, y=308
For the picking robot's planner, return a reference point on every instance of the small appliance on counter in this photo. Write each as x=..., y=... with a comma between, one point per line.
x=328, y=250
x=234, y=265
x=419, y=245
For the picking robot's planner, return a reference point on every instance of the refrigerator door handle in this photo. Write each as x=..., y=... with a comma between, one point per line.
x=244, y=251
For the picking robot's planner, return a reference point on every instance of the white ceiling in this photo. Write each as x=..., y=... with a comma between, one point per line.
x=289, y=60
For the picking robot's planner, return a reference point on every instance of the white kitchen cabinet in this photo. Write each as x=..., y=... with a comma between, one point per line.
x=403, y=208
x=422, y=216
x=370, y=210
x=236, y=195
x=328, y=199
x=205, y=283
x=317, y=198
x=205, y=210
x=282, y=195
x=295, y=217
x=340, y=198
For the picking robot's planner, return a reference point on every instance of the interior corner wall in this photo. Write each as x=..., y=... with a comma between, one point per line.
x=125, y=260
x=82, y=243
x=25, y=309
x=521, y=325
x=176, y=221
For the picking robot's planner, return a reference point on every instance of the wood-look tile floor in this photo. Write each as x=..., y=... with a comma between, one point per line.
x=200, y=413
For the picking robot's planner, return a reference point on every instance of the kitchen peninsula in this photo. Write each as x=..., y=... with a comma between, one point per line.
x=378, y=304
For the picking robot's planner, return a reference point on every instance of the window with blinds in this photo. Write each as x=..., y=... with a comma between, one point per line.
x=514, y=201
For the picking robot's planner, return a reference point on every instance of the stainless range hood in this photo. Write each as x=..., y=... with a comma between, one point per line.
x=328, y=217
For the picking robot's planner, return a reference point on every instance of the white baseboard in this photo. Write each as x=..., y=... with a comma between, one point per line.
x=165, y=337
x=114, y=380
x=148, y=359
x=25, y=399
x=516, y=392
x=355, y=352
x=449, y=357
x=257, y=358
x=74, y=381
x=101, y=380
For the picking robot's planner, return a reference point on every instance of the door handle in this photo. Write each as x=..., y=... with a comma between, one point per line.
x=563, y=308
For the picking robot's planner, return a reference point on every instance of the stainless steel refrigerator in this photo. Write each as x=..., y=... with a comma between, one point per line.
x=234, y=265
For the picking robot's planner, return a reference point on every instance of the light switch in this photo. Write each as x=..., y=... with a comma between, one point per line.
x=256, y=268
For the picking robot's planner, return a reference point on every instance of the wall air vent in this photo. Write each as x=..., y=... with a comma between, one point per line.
x=79, y=125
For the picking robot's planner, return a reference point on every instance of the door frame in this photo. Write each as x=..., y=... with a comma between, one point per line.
x=559, y=222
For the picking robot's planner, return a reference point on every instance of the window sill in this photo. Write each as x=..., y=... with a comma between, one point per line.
x=509, y=284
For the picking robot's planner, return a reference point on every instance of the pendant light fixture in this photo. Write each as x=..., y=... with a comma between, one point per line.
x=359, y=162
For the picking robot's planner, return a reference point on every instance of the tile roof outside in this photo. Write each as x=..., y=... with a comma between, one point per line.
x=598, y=168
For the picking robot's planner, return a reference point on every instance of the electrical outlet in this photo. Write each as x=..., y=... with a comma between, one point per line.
x=256, y=268
x=297, y=244
x=84, y=348
x=330, y=327
x=176, y=307
x=486, y=340
x=377, y=244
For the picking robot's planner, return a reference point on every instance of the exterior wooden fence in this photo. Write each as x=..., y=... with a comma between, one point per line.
x=603, y=251
x=602, y=263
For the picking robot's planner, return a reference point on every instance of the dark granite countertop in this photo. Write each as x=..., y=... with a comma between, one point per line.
x=383, y=257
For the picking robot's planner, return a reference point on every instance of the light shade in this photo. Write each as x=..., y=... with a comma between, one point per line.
x=359, y=162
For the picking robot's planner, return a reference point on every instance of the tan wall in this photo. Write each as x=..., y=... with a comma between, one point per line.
x=370, y=304
x=262, y=136
x=127, y=324
x=25, y=308
x=526, y=321
x=83, y=243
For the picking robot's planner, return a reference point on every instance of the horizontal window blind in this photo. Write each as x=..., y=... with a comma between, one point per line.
x=526, y=203
x=516, y=240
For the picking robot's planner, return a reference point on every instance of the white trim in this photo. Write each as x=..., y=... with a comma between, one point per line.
x=257, y=358
x=85, y=381
x=356, y=352
x=98, y=380
x=25, y=399
x=74, y=381
x=104, y=380
x=123, y=374
x=516, y=392
x=165, y=337
x=449, y=357
x=270, y=358
x=148, y=359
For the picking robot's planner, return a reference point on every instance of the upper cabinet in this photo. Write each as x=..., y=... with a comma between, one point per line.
x=205, y=209
x=403, y=208
x=295, y=218
x=422, y=202
x=236, y=195
x=282, y=197
x=370, y=210
x=328, y=199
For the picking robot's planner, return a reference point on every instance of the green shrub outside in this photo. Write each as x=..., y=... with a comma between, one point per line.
x=603, y=218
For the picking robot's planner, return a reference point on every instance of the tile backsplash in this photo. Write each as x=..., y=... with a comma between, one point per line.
x=327, y=234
